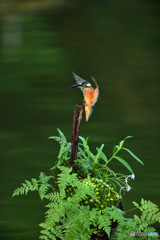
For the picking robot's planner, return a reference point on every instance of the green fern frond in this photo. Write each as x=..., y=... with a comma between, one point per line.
x=52, y=197
x=58, y=139
x=65, y=178
x=44, y=178
x=61, y=139
x=26, y=187
x=115, y=213
x=40, y=185
x=65, y=149
x=125, y=227
x=44, y=237
x=150, y=215
x=43, y=190
x=105, y=223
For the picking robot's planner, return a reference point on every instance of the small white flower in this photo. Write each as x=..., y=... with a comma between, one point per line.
x=128, y=188
x=130, y=176
x=133, y=176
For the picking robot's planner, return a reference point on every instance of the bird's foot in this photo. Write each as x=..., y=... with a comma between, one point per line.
x=79, y=106
x=84, y=103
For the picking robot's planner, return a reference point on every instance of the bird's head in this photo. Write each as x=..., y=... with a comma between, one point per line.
x=82, y=84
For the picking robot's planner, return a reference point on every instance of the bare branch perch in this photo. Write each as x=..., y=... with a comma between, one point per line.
x=77, y=116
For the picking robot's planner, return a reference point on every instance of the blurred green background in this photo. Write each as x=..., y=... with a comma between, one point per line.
x=41, y=43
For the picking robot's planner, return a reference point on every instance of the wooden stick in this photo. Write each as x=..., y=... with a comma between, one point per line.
x=74, y=127
x=75, y=133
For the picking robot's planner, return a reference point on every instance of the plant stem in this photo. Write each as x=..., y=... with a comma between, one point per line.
x=113, y=155
x=75, y=132
x=130, y=210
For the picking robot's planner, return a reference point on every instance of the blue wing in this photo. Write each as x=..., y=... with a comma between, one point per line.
x=97, y=91
x=90, y=113
x=78, y=79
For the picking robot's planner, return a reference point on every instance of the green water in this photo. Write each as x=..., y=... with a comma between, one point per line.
x=115, y=41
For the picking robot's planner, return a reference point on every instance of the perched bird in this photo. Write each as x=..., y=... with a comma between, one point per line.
x=90, y=94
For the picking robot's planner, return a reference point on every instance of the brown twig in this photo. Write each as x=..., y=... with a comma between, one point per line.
x=74, y=127
x=75, y=132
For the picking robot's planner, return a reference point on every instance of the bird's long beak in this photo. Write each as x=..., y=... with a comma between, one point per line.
x=76, y=85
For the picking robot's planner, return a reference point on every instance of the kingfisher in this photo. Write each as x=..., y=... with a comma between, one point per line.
x=90, y=94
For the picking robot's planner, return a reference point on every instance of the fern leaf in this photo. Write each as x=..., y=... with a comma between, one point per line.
x=135, y=204
x=44, y=237
x=58, y=139
x=44, y=178
x=43, y=190
x=105, y=222
x=26, y=187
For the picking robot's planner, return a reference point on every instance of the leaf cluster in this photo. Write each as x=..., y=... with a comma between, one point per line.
x=97, y=165
x=69, y=217
x=64, y=151
x=41, y=185
x=83, y=202
x=150, y=215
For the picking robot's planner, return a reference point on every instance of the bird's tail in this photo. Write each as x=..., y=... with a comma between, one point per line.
x=95, y=82
x=88, y=111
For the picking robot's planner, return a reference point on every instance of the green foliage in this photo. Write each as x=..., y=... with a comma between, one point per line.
x=100, y=161
x=40, y=185
x=106, y=196
x=95, y=165
x=76, y=215
x=65, y=149
x=82, y=201
x=150, y=215
x=27, y=186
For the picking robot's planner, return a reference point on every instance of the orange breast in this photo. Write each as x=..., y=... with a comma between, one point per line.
x=89, y=99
